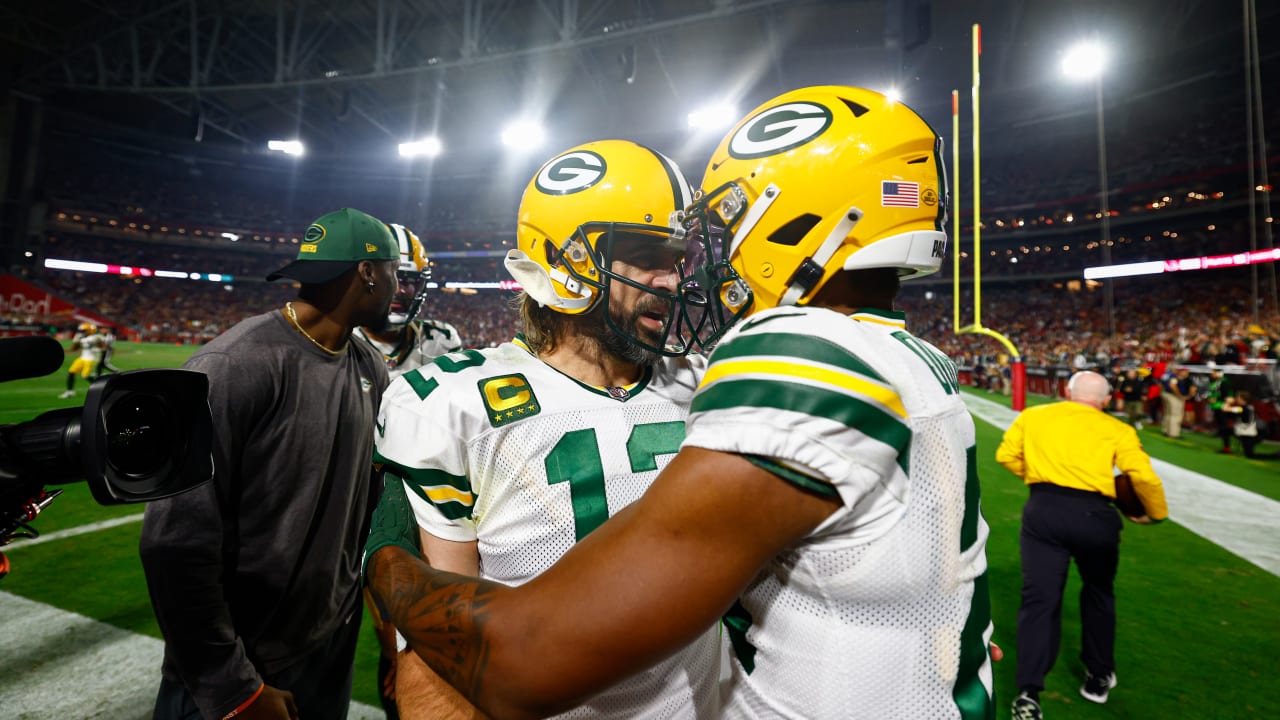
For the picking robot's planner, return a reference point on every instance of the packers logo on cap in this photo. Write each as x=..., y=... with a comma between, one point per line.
x=314, y=234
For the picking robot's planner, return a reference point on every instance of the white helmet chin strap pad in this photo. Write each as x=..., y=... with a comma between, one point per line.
x=537, y=282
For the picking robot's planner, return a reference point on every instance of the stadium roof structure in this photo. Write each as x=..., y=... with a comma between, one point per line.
x=357, y=77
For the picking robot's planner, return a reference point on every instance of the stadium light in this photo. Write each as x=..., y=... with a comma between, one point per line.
x=523, y=135
x=893, y=95
x=716, y=116
x=426, y=147
x=1087, y=61
x=288, y=147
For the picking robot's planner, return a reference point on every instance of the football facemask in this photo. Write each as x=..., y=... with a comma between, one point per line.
x=411, y=278
x=713, y=295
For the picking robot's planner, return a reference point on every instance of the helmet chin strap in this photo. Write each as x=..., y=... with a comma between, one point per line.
x=571, y=284
x=537, y=282
x=810, y=272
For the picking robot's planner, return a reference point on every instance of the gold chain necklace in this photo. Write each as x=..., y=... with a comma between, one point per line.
x=293, y=318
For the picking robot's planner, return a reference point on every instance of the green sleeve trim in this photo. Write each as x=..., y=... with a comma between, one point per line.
x=800, y=480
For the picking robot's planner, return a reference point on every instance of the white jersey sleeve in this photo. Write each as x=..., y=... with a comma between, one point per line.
x=421, y=440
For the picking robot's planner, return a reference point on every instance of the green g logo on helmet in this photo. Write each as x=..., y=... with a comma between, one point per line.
x=570, y=173
x=779, y=129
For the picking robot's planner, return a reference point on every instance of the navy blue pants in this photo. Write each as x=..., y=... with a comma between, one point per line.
x=320, y=681
x=1060, y=525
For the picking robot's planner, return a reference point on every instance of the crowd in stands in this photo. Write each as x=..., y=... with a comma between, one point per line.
x=484, y=319
x=1190, y=318
x=164, y=309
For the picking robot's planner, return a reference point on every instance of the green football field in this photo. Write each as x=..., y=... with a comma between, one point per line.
x=1197, y=624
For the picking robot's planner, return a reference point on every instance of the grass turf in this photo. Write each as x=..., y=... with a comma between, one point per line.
x=1197, y=625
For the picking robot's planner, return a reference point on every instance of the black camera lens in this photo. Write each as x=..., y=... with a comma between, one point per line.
x=139, y=434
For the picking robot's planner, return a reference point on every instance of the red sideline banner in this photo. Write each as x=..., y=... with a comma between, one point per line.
x=25, y=305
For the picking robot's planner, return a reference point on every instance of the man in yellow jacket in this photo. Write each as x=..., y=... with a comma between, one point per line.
x=1067, y=453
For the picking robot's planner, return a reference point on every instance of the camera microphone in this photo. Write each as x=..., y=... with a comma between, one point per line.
x=29, y=357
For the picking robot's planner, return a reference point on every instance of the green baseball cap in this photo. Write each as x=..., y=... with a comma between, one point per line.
x=334, y=243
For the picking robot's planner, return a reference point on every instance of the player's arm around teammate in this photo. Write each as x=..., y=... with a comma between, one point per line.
x=650, y=580
x=420, y=693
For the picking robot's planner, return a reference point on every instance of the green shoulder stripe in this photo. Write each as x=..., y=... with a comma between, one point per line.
x=805, y=347
x=859, y=415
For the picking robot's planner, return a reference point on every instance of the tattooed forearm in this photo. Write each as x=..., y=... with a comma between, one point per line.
x=443, y=616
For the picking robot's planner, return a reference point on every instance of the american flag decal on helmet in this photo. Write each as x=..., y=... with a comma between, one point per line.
x=894, y=193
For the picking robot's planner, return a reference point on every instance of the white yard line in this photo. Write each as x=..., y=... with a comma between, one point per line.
x=58, y=665
x=72, y=532
x=1243, y=522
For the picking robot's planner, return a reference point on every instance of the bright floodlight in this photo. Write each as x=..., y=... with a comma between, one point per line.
x=428, y=146
x=523, y=135
x=893, y=95
x=288, y=147
x=1084, y=61
x=713, y=117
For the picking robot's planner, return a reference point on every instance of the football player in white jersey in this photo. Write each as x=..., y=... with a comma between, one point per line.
x=513, y=454
x=406, y=343
x=825, y=496
x=90, y=344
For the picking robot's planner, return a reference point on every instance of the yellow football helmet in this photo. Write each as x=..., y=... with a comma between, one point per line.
x=88, y=328
x=573, y=211
x=812, y=182
x=412, y=274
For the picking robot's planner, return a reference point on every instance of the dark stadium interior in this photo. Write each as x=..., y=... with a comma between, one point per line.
x=135, y=135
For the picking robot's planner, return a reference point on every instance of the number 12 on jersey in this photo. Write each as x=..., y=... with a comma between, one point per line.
x=576, y=459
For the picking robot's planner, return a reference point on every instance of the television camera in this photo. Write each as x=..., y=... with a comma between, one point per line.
x=141, y=435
